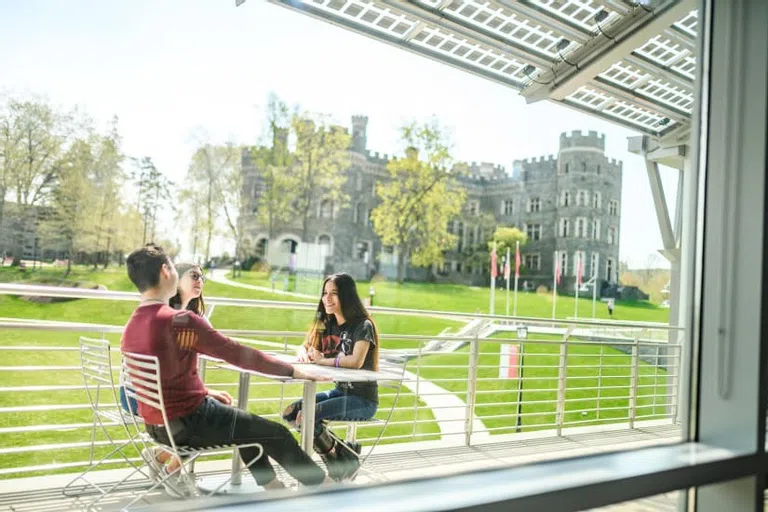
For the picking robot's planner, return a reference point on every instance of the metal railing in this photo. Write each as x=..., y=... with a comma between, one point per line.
x=569, y=373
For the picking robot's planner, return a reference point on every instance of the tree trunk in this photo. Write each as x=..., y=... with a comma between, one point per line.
x=106, y=253
x=400, y=265
x=69, y=258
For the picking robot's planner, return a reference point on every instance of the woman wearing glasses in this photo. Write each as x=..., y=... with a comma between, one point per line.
x=343, y=336
x=190, y=291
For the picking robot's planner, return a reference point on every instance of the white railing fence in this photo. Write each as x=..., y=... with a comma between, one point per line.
x=555, y=375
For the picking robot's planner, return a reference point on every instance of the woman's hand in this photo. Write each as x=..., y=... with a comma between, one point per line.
x=301, y=355
x=314, y=355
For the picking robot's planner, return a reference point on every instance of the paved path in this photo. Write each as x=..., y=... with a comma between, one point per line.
x=219, y=276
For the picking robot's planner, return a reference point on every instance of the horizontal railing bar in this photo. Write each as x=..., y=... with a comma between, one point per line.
x=56, y=291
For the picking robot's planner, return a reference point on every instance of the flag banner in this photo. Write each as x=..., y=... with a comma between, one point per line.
x=508, y=361
x=557, y=270
x=494, y=264
x=579, y=270
x=506, y=266
x=517, y=260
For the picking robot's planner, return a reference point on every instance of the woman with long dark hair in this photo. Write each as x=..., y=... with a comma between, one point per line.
x=189, y=295
x=343, y=335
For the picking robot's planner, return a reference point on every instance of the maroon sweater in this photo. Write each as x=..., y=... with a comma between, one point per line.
x=176, y=337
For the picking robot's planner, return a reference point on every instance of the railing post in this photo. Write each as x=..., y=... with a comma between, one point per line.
x=416, y=393
x=472, y=384
x=633, y=384
x=562, y=374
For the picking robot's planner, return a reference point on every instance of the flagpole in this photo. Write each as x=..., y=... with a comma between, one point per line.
x=517, y=272
x=594, y=293
x=493, y=280
x=554, y=288
x=506, y=275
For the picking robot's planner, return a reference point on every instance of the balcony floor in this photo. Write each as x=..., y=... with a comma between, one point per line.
x=392, y=462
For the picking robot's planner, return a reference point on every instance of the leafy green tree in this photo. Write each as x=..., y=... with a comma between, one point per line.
x=419, y=199
x=273, y=159
x=317, y=174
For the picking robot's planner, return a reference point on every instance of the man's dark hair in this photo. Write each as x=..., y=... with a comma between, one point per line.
x=144, y=266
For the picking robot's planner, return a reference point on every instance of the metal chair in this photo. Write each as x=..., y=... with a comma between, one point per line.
x=140, y=376
x=351, y=426
x=107, y=410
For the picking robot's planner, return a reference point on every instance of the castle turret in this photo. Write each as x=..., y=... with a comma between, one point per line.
x=359, y=133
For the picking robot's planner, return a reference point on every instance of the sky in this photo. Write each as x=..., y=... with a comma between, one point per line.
x=173, y=69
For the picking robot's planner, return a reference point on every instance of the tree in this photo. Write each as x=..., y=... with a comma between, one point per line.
x=477, y=254
x=319, y=160
x=34, y=136
x=506, y=237
x=205, y=175
x=107, y=180
x=153, y=192
x=419, y=199
x=275, y=191
x=72, y=208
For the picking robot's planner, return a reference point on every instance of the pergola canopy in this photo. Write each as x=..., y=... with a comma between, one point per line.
x=630, y=62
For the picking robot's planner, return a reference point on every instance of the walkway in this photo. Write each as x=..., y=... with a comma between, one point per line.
x=219, y=276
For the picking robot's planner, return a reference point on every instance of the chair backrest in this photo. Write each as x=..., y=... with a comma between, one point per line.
x=140, y=377
x=96, y=366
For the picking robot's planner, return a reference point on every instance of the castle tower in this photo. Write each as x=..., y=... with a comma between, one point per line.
x=359, y=133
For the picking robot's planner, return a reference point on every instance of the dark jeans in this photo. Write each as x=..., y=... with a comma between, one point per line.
x=214, y=423
x=335, y=405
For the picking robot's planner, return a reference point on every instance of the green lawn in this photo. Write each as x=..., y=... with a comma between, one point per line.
x=496, y=402
x=540, y=383
x=469, y=299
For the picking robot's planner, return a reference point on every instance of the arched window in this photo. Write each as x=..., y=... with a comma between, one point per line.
x=326, y=209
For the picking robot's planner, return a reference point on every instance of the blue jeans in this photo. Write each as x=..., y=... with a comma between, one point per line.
x=335, y=405
x=214, y=423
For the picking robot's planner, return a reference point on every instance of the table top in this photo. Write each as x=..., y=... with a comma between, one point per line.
x=328, y=372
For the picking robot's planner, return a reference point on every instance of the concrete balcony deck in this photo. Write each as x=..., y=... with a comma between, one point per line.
x=388, y=463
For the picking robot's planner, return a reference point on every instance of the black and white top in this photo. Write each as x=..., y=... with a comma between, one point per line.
x=341, y=339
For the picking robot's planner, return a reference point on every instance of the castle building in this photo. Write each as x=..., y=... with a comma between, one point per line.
x=569, y=203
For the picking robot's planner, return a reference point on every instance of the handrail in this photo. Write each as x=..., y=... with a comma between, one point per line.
x=52, y=325
x=77, y=293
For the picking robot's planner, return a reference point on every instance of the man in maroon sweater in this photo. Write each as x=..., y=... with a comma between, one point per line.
x=200, y=417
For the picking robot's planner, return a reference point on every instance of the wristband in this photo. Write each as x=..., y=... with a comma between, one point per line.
x=337, y=361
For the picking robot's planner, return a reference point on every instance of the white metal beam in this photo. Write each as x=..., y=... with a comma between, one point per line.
x=600, y=53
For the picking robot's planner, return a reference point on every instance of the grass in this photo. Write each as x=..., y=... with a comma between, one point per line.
x=587, y=367
x=495, y=397
x=470, y=299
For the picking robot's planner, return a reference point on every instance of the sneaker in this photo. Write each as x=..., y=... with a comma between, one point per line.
x=178, y=485
x=154, y=468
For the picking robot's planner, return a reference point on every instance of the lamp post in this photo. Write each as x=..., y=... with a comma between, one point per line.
x=371, y=293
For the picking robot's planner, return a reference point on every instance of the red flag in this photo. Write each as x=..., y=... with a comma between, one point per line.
x=579, y=270
x=517, y=260
x=506, y=267
x=557, y=268
x=494, y=265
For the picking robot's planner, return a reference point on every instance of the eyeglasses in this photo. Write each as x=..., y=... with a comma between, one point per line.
x=195, y=276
